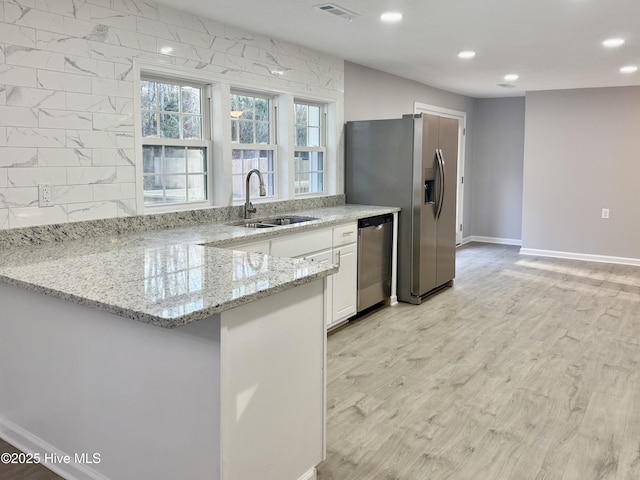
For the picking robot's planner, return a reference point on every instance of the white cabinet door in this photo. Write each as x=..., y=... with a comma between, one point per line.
x=345, y=282
x=325, y=257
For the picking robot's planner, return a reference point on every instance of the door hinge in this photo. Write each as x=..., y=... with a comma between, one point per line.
x=462, y=180
x=460, y=227
x=464, y=131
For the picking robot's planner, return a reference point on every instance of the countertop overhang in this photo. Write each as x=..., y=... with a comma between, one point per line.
x=174, y=276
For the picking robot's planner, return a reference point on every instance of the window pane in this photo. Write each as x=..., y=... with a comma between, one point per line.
x=169, y=126
x=265, y=161
x=175, y=160
x=190, y=100
x=262, y=109
x=197, y=187
x=151, y=159
x=262, y=132
x=148, y=95
x=149, y=124
x=234, y=131
x=301, y=114
x=191, y=126
x=169, y=97
x=153, y=189
x=301, y=161
x=317, y=162
x=316, y=182
x=313, y=139
x=301, y=136
x=246, y=132
x=302, y=183
x=196, y=160
x=175, y=188
x=314, y=116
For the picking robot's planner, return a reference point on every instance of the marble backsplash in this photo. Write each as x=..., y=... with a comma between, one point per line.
x=67, y=90
x=37, y=235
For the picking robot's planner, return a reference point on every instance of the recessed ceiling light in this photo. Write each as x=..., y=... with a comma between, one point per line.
x=391, y=17
x=511, y=77
x=629, y=69
x=613, y=42
x=467, y=54
x=166, y=50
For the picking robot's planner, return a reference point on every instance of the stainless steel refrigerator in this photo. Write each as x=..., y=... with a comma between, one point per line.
x=410, y=163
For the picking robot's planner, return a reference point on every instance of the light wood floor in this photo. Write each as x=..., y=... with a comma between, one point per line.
x=527, y=369
x=24, y=471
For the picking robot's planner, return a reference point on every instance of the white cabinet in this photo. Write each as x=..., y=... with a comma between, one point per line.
x=345, y=283
x=302, y=244
x=254, y=247
x=336, y=245
x=325, y=257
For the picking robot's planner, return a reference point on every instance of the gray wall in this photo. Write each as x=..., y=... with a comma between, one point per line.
x=582, y=153
x=372, y=94
x=496, y=172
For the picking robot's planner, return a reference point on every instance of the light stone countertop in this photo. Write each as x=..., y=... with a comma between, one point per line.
x=174, y=276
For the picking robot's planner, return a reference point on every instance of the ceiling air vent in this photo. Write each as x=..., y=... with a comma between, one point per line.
x=506, y=85
x=338, y=11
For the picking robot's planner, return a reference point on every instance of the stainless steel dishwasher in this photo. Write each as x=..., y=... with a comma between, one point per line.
x=374, y=260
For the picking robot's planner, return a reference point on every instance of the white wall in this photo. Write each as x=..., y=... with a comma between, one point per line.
x=581, y=155
x=66, y=95
x=496, y=172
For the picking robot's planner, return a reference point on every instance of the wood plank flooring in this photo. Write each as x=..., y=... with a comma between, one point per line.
x=24, y=471
x=527, y=369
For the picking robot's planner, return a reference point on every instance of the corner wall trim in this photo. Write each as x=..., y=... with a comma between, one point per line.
x=497, y=240
x=587, y=257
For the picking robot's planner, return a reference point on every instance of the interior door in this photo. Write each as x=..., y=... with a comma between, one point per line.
x=446, y=233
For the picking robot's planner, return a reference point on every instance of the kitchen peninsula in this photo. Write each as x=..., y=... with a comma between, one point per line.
x=233, y=386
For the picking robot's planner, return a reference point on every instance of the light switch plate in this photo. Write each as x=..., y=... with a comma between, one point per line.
x=605, y=213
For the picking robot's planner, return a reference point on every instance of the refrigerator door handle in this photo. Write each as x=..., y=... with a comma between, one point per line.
x=441, y=173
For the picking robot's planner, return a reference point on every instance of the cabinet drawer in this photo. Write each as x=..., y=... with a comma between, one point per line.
x=345, y=234
x=256, y=247
x=301, y=244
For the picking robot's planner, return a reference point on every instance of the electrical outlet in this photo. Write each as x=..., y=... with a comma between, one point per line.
x=45, y=195
x=605, y=213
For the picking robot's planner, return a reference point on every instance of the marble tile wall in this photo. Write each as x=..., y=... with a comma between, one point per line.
x=67, y=96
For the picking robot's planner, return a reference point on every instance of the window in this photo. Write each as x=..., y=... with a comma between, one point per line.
x=252, y=143
x=310, y=148
x=175, y=142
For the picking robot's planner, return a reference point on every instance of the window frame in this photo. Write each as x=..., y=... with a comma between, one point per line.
x=205, y=142
x=272, y=98
x=322, y=148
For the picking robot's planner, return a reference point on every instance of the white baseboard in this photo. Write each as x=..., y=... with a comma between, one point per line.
x=310, y=475
x=496, y=240
x=393, y=300
x=30, y=444
x=587, y=257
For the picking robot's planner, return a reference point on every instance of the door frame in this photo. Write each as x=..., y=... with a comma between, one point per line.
x=462, y=130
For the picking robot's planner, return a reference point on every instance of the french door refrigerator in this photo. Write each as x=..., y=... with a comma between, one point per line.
x=410, y=163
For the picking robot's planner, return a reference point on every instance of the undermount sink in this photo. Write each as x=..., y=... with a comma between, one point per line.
x=273, y=221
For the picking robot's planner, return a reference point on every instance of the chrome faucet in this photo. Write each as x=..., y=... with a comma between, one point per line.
x=248, y=206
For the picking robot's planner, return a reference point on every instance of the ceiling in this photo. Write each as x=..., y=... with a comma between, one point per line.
x=550, y=44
